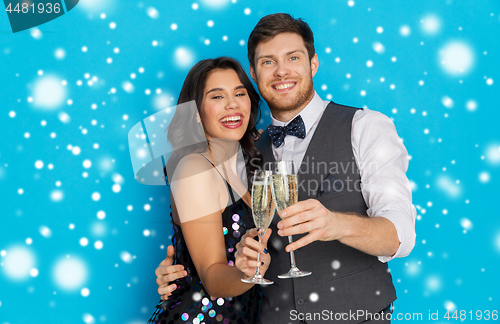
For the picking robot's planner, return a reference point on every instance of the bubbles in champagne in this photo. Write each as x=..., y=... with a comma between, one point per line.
x=284, y=190
x=262, y=204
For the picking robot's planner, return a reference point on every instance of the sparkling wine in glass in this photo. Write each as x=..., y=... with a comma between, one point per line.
x=262, y=212
x=285, y=193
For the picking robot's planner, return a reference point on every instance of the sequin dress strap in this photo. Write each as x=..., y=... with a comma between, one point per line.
x=227, y=183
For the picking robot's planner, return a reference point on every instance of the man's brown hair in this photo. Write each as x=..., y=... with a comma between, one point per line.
x=272, y=25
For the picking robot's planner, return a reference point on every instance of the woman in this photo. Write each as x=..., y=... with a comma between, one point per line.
x=208, y=215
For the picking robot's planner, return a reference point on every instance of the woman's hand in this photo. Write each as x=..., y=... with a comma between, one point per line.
x=246, y=253
x=168, y=272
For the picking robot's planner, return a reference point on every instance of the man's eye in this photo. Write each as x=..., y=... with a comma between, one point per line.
x=266, y=62
x=294, y=58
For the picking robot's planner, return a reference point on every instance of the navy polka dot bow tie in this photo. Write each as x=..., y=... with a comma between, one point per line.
x=278, y=133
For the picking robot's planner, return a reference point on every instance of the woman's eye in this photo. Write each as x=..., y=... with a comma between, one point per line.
x=217, y=97
x=241, y=94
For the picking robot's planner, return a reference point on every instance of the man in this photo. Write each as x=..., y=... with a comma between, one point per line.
x=354, y=211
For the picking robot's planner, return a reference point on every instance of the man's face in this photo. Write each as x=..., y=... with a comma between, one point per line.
x=283, y=73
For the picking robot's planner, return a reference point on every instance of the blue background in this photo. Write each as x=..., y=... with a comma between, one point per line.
x=442, y=101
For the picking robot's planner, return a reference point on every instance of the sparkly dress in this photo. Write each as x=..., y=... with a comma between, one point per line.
x=190, y=303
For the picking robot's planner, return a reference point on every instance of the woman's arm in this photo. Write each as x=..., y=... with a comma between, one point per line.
x=205, y=240
x=200, y=197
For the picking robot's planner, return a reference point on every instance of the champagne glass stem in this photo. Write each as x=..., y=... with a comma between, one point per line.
x=292, y=256
x=257, y=270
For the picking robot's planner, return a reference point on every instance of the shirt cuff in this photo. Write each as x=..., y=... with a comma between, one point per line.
x=406, y=234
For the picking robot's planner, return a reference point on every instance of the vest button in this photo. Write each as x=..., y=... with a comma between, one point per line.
x=300, y=301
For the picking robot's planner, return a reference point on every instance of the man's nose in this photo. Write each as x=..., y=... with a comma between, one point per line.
x=281, y=70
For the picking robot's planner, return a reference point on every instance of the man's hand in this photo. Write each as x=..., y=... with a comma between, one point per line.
x=309, y=216
x=246, y=253
x=167, y=272
x=373, y=235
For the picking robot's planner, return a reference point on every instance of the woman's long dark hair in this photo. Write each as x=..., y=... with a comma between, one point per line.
x=193, y=89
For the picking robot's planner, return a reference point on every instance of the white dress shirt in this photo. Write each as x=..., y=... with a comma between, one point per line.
x=381, y=158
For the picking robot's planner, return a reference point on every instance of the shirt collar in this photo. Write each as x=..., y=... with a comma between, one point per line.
x=309, y=114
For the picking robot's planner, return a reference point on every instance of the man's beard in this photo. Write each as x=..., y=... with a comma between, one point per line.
x=302, y=97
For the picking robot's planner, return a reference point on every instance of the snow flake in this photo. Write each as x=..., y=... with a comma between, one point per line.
x=98, y=245
x=447, y=102
x=471, y=105
x=184, y=57
x=85, y=292
x=64, y=117
x=153, y=13
x=34, y=272
x=60, y=54
x=450, y=306
x=466, y=224
x=457, y=58
x=126, y=257
x=405, y=30
x=84, y=241
x=96, y=196
x=45, y=231
x=18, y=262
x=88, y=319
x=39, y=164
x=484, y=177
x=48, y=93
x=197, y=297
x=378, y=47
x=431, y=24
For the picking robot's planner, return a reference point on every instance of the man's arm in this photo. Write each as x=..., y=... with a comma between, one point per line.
x=167, y=272
x=375, y=236
x=382, y=160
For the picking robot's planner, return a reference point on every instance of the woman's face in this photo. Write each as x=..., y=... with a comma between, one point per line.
x=225, y=109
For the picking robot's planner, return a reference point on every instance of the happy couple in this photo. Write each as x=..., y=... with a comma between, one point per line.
x=343, y=235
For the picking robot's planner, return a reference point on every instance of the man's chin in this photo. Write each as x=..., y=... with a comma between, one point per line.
x=283, y=105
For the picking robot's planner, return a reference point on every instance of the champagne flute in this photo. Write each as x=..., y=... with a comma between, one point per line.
x=285, y=193
x=262, y=212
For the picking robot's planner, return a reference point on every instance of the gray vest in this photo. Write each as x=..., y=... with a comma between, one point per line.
x=343, y=279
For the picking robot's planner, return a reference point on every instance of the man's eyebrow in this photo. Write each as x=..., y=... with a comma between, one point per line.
x=222, y=89
x=289, y=53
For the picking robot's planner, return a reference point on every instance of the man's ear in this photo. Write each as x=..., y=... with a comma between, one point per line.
x=314, y=64
x=252, y=74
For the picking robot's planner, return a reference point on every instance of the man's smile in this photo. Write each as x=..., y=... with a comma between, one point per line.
x=284, y=86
